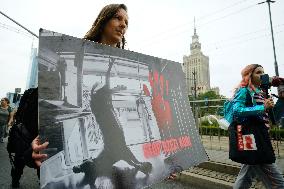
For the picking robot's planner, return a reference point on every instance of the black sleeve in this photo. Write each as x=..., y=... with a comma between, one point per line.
x=29, y=161
x=279, y=109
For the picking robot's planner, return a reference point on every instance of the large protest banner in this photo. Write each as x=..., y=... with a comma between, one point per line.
x=113, y=118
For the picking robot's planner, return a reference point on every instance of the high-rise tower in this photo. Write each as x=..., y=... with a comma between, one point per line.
x=196, y=68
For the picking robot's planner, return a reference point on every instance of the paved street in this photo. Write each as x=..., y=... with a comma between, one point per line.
x=29, y=179
x=216, y=149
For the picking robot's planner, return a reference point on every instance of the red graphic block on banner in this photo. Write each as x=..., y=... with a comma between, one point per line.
x=161, y=106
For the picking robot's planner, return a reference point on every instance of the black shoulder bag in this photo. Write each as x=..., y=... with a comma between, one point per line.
x=19, y=139
x=249, y=141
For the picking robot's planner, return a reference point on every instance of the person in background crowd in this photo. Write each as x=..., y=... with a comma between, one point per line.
x=6, y=118
x=279, y=106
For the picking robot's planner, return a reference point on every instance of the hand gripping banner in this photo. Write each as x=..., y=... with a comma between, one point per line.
x=113, y=118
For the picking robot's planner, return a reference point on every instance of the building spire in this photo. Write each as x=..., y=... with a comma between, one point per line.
x=194, y=26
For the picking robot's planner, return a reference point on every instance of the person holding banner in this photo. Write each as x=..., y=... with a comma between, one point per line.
x=109, y=29
x=110, y=26
x=252, y=146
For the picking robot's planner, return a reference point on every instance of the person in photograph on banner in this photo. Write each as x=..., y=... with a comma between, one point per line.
x=112, y=117
x=115, y=148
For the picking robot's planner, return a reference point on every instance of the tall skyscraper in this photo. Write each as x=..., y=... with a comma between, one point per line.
x=196, y=68
x=32, y=79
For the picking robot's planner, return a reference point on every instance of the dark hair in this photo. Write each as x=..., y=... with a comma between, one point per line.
x=6, y=99
x=107, y=13
x=27, y=112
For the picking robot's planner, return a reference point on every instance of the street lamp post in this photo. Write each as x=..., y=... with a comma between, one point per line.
x=194, y=80
x=195, y=97
x=194, y=93
x=275, y=61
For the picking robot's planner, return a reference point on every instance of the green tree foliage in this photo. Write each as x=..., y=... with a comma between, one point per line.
x=208, y=107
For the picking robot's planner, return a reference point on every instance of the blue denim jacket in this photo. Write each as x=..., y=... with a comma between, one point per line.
x=239, y=101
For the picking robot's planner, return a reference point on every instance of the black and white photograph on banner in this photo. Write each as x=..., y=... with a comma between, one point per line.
x=113, y=118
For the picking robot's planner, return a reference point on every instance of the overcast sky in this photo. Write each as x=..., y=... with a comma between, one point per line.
x=233, y=33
